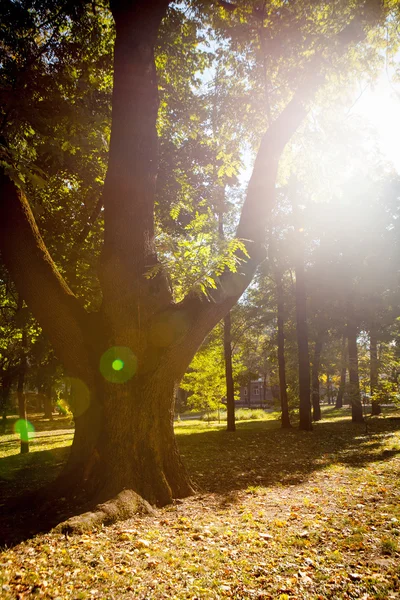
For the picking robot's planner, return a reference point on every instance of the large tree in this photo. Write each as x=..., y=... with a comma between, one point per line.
x=126, y=359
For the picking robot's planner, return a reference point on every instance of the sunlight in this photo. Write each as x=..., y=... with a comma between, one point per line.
x=380, y=105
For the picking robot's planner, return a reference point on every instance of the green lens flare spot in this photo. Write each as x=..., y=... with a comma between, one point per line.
x=25, y=429
x=118, y=364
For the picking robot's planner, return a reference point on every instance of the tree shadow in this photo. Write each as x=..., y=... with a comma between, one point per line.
x=259, y=453
x=24, y=509
x=263, y=454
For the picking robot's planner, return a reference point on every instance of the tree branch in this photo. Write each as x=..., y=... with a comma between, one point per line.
x=38, y=280
x=129, y=189
x=260, y=195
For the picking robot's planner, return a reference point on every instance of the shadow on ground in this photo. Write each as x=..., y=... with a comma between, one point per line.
x=259, y=453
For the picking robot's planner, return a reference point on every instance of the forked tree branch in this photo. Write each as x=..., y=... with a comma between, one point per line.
x=38, y=280
x=260, y=195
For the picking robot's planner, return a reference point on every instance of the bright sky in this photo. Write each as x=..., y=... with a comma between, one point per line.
x=381, y=106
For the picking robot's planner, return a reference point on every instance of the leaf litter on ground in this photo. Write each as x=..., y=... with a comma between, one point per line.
x=285, y=515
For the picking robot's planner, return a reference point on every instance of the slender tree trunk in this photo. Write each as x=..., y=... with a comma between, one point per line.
x=316, y=406
x=302, y=332
x=342, y=385
x=354, y=383
x=6, y=383
x=230, y=392
x=230, y=397
x=264, y=389
x=374, y=366
x=329, y=388
x=23, y=425
x=285, y=417
x=48, y=403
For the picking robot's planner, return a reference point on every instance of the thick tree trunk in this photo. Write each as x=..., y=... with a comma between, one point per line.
x=316, y=406
x=374, y=369
x=342, y=384
x=133, y=446
x=354, y=383
x=230, y=397
x=285, y=417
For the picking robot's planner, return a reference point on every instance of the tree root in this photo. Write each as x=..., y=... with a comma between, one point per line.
x=124, y=506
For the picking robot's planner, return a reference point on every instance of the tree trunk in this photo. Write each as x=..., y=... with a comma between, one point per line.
x=6, y=382
x=342, y=385
x=285, y=417
x=230, y=397
x=316, y=406
x=23, y=425
x=48, y=403
x=329, y=388
x=354, y=383
x=374, y=367
x=302, y=332
x=134, y=444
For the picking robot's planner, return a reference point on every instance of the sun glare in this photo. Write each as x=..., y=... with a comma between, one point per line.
x=380, y=105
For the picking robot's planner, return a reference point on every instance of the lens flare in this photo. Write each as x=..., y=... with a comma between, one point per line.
x=118, y=364
x=25, y=429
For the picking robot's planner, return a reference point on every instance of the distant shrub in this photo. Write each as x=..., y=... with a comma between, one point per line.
x=250, y=414
x=214, y=416
x=241, y=414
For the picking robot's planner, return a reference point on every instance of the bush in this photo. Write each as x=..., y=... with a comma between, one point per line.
x=213, y=416
x=250, y=414
x=241, y=414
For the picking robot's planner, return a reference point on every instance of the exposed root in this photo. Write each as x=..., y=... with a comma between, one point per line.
x=124, y=506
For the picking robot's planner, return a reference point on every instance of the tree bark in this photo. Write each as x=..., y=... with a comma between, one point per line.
x=342, y=385
x=316, y=406
x=285, y=416
x=354, y=383
x=230, y=397
x=374, y=369
x=135, y=446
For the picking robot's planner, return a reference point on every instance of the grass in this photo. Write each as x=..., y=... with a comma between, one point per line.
x=279, y=514
x=241, y=414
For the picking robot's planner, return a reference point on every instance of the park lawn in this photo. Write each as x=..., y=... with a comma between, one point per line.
x=278, y=514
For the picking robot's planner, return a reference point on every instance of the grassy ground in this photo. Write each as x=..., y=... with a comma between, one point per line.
x=279, y=514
